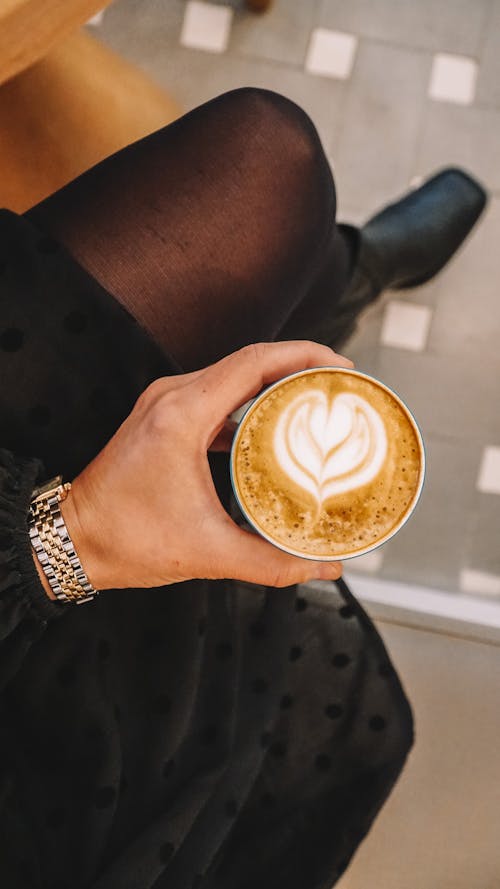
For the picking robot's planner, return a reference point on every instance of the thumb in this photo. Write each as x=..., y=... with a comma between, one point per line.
x=249, y=558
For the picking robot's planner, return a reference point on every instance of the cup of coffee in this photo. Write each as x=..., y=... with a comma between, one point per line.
x=327, y=463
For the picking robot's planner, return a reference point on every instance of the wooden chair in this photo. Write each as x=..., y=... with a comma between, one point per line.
x=66, y=100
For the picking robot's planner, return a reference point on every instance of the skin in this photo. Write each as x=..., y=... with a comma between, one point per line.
x=145, y=513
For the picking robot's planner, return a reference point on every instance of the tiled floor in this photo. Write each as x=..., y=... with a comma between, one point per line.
x=397, y=90
x=439, y=827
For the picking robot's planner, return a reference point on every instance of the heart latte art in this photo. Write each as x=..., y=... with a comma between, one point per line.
x=327, y=463
x=329, y=449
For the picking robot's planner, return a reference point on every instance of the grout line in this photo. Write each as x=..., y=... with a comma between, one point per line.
x=484, y=31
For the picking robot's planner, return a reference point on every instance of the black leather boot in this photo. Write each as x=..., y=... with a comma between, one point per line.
x=406, y=243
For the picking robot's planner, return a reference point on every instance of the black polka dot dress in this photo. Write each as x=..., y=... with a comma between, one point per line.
x=215, y=735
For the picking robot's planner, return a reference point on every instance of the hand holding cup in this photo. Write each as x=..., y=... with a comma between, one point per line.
x=145, y=513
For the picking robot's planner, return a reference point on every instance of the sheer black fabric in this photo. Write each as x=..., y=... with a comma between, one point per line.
x=214, y=232
x=206, y=734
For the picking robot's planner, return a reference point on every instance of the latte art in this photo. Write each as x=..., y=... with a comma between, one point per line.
x=327, y=463
x=330, y=448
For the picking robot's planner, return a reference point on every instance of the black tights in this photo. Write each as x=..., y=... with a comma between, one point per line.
x=216, y=231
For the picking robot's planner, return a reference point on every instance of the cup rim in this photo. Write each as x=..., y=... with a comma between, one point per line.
x=416, y=496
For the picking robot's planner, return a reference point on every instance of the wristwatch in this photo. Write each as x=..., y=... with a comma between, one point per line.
x=53, y=545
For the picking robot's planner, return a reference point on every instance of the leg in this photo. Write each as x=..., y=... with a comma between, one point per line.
x=212, y=230
x=219, y=230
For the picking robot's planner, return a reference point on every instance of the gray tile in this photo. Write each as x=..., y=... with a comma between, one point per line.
x=282, y=34
x=194, y=77
x=465, y=136
x=450, y=398
x=138, y=28
x=424, y=295
x=455, y=27
x=380, y=129
x=376, y=149
x=488, y=83
x=439, y=827
x=364, y=345
x=346, y=213
x=483, y=550
x=429, y=549
x=466, y=321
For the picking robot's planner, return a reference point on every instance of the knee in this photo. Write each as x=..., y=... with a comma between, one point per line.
x=281, y=145
x=277, y=122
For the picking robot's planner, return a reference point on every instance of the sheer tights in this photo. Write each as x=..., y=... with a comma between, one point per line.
x=215, y=231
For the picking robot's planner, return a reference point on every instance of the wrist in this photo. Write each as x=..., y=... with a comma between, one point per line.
x=54, y=546
x=80, y=528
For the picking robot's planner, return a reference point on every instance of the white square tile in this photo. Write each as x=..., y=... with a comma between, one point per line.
x=453, y=79
x=479, y=582
x=489, y=472
x=405, y=326
x=370, y=563
x=206, y=26
x=96, y=19
x=331, y=53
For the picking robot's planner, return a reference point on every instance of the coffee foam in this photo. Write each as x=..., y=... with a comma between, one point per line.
x=327, y=463
x=329, y=447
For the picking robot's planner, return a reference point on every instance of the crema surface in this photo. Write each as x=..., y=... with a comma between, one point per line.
x=328, y=463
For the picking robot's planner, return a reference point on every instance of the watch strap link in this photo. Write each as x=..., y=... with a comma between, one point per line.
x=53, y=545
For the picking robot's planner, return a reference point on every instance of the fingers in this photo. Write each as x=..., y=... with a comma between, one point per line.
x=233, y=380
x=250, y=558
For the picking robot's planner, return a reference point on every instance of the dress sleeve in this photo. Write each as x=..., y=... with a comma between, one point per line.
x=25, y=608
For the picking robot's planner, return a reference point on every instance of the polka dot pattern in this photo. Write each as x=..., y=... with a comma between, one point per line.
x=341, y=660
x=258, y=629
x=238, y=700
x=300, y=603
x=286, y=702
x=377, y=723
x=334, y=711
x=75, y=322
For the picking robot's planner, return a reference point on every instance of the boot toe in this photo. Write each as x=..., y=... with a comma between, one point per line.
x=411, y=240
